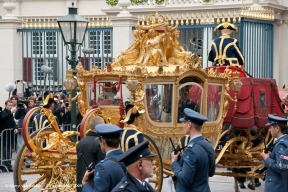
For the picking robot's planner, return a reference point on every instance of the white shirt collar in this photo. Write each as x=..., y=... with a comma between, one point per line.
x=110, y=151
x=281, y=136
x=142, y=183
x=195, y=136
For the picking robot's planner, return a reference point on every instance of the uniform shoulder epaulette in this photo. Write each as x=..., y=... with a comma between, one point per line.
x=190, y=145
x=101, y=161
x=122, y=186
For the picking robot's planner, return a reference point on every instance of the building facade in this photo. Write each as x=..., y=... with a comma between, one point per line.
x=30, y=37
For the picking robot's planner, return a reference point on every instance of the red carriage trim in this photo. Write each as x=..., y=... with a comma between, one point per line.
x=256, y=99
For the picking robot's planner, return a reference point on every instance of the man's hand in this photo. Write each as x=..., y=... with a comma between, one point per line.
x=265, y=155
x=25, y=107
x=13, y=110
x=86, y=178
x=15, y=131
x=174, y=157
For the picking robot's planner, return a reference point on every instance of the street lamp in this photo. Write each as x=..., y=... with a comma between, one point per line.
x=73, y=28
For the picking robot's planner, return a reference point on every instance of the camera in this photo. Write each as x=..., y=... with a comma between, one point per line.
x=22, y=102
x=18, y=81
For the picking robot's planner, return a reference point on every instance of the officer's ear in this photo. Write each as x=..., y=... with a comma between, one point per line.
x=140, y=164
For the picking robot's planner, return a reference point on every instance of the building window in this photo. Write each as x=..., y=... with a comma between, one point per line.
x=37, y=43
x=94, y=41
x=51, y=46
x=101, y=42
x=44, y=50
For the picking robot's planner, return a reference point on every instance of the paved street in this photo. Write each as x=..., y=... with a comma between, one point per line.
x=217, y=184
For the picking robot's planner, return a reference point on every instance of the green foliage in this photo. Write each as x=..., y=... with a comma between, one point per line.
x=159, y=2
x=112, y=2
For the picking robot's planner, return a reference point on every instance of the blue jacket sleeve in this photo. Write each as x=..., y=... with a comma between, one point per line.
x=101, y=179
x=185, y=174
x=211, y=55
x=273, y=164
x=238, y=53
x=87, y=188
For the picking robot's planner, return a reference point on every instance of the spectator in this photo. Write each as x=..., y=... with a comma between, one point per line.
x=14, y=100
x=7, y=122
x=90, y=148
x=19, y=115
x=20, y=94
x=62, y=91
x=63, y=114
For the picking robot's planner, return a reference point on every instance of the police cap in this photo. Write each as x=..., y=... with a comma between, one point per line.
x=194, y=117
x=136, y=152
x=108, y=131
x=273, y=119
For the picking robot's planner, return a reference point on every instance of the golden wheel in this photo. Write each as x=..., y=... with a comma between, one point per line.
x=23, y=176
x=50, y=167
x=158, y=166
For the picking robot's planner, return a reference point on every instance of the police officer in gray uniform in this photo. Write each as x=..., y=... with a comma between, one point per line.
x=198, y=160
x=277, y=127
x=139, y=163
x=108, y=172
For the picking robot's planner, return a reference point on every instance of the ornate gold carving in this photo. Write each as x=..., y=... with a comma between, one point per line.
x=157, y=43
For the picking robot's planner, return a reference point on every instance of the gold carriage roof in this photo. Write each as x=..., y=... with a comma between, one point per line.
x=156, y=51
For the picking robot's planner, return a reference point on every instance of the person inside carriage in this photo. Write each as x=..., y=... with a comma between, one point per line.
x=225, y=50
x=131, y=136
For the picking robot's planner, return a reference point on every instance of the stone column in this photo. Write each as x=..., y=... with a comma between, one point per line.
x=10, y=50
x=280, y=50
x=122, y=28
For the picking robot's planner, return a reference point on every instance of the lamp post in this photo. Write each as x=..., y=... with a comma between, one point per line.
x=73, y=28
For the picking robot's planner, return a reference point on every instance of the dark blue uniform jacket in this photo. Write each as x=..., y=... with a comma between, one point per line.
x=107, y=174
x=274, y=181
x=225, y=51
x=130, y=184
x=192, y=171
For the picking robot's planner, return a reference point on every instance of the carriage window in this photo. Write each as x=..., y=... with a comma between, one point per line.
x=107, y=93
x=190, y=95
x=159, y=102
x=213, y=101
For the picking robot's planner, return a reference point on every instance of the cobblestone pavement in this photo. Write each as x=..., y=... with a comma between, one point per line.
x=217, y=184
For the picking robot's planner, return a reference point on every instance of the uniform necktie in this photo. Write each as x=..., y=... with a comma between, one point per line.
x=145, y=185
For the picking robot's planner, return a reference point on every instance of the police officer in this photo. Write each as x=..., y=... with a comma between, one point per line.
x=139, y=163
x=198, y=160
x=108, y=172
x=89, y=147
x=225, y=49
x=277, y=127
x=131, y=136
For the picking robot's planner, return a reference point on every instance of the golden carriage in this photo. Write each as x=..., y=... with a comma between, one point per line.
x=156, y=74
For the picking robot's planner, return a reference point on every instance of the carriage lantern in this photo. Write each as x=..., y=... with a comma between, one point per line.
x=70, y=84
x=73, y=28
x=235, y=85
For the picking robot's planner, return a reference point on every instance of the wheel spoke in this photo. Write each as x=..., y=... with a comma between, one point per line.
x=32, y=171
x=35, y=182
